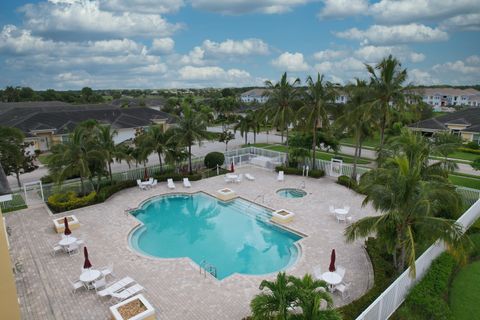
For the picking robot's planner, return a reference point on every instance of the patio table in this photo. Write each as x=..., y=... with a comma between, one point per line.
x=231, y=176
x=90, y=275
x=65, y=242
x=332, y=278
x=341, y=211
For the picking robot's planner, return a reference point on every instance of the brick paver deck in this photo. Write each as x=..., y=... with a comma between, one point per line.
x=174, y=286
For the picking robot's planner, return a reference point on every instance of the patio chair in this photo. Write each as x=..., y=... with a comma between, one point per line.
x=76, y=284
x=226, y=179
x=186, y=183
x=350, y=218
x=107, y=271
x=343, y=289
x=72, y=249
x=55, y=248
x=281, y=176
x=170, y=183
x=331, y=209
x=100, y=283
x=341, y=217
x=150, y=181
x=117, y=286
x=341, y=271
x=80, y=242
x=239, y=178
x=155, y=182
x=140, y=185
x=127, y=293
x=250, y=177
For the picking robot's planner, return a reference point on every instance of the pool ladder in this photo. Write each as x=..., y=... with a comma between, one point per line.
x=207, y=267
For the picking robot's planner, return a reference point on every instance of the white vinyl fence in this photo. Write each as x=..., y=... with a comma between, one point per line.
x=386, y=304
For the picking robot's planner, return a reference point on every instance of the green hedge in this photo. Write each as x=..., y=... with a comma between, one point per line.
x=469, y=150
x=60, y=202
x=105, y=192
x=384, y=275
x=427, y=300
x=347, y=182
x=213, y=159
x=317, y=173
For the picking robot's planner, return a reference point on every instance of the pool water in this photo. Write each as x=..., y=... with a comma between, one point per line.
x=291, y=193
x=233, y=236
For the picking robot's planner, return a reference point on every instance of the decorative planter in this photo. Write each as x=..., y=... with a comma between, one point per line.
x=282, y=216
x=226, y=194
x=134, y=308
x=73, y=223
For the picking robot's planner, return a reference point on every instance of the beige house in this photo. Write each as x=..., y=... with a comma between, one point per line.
x=465, y=123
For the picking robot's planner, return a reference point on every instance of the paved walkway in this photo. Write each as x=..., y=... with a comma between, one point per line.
x=174, y=286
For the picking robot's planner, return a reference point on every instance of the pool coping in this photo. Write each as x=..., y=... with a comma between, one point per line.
x=289, y=267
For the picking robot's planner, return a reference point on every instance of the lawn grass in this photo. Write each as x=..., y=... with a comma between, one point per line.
x=439, y=114
x=464, y=156
x=323, y=155
x=464, y=181
x=465, y=292
x=368, y=143
x=257, y=145
x=43, y=158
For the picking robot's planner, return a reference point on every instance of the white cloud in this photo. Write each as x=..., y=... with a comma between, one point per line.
x=142, y=6
x=211, y=73
x=240, y=48
x=473, y=59
x=377, y=34
x=467, y=22
x=394, y=11
x=86, y=17
x=421, y=77
x=163, y=45
x=458, y=66
x=343, y=70
x=343, y=8
x=195, y=57
x=376, y=53
x=329, y=54
x=459, y=72
x=247, y=6
x=292, y=62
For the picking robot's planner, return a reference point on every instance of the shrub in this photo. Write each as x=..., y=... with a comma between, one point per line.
x=105, y=192
x=347, y=182
x=317, y=173
x=469, y=150
x=472, y=145
x=213, y=159
x=60, y=202
x=426, y=300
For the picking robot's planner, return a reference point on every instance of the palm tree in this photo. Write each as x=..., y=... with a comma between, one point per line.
x=190, y=128
x=106, y=145
x=410, y=194
x=389, y=91
x=279, y=108
x=445, y=143
x=157, y=140
x=317, y=96
x=358, y=117
x=274, y=304
x=244, y=126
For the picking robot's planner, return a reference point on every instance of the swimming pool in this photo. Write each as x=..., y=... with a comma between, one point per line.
x=233, y=236
x=291, y=193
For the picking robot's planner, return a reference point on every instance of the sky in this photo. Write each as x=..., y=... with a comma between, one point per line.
x=114, y=44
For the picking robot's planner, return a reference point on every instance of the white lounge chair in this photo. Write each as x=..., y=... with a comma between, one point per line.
x=126, y=293
x=117, y=286
x=186, y=183
x=107, y=271
x=140, y=185
x=248, y=176
x=239, y=178
x=76, y=284
x=281, y=176
x=170, y=184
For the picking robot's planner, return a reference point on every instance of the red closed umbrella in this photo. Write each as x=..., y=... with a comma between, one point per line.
x=67, y=231
x=232, y=168
x=331, y=268
x=86, y=264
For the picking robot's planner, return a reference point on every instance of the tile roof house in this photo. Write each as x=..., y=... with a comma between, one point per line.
x=444, y=97
x=464, y=122
x=254, y=95
x=46, y=124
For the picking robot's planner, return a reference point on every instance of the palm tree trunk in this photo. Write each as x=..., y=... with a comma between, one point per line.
x=382, y=128
x=160, y=161
x=110, y=172
x=355, y=157
x=286, y=156
x=246, y=134
x=190, y=158
x=254, y=137
x=82, y=188
x=17, y=173
x=314, y=146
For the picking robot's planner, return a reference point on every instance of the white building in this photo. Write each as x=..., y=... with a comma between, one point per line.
x=445, y=97
x=254, y=95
